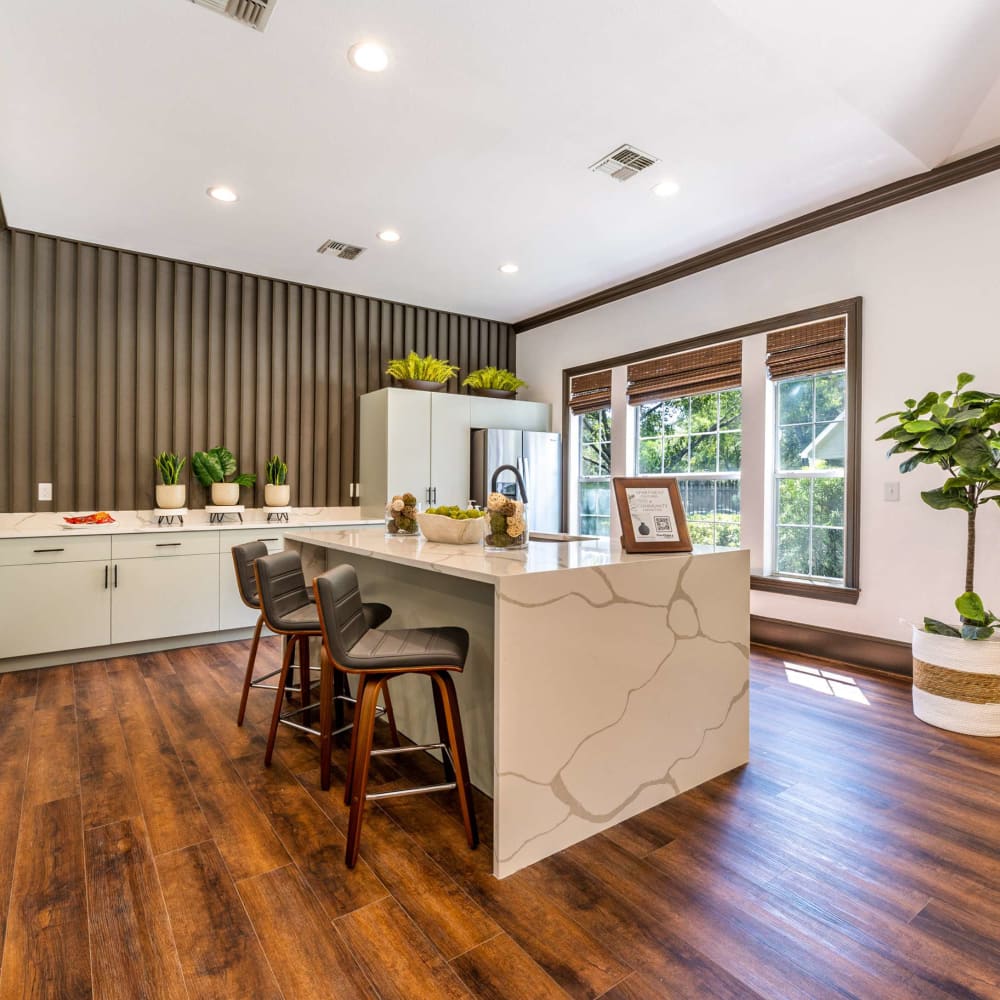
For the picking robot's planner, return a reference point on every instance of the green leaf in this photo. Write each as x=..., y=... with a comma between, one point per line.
x=940, y=410
x=937, y=440
x=973, y=452
x=206, y=468
x=964, y=379
x=225, y=459
x=920, y=426
x=886, y=416
x=976, y=631
x=911, y=463
x=245, y=479
x=935, y=627
x=970, y=607
x=909, y=403
x=940, y=500
x=964, y=416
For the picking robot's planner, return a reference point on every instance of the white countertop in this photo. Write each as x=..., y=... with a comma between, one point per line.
x=473, y=562
x=49, y=523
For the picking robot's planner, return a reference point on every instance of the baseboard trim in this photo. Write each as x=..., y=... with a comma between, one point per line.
x=831, y=644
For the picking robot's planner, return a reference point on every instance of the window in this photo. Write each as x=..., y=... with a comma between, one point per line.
x=698, y=440
x=594, y=473
x=809, y=450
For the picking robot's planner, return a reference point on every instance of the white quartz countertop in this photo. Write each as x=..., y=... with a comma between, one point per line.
x=473, y=562
x=49, y=523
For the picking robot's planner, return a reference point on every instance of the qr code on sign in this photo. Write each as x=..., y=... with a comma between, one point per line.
x=664, y=525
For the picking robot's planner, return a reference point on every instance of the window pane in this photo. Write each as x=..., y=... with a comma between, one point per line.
x=830, y=396
x=704, y=453
x=700, y=501
x=827, y=450
x=704, y=413
x=794, y=444
x=730, y=451
x=595, y=498
x=795, y=401
x=793, y=551
x=701, y=533
x=731, y=410
x=828, y=552
x=595, y=525
x=675, y=416
x=727, y=499
x=675, y=454
x=595, y=426
x=650, y=420
x=793, y=501
x=592, y=460
x=727, y=535
x=828, y=501
x=650, y=457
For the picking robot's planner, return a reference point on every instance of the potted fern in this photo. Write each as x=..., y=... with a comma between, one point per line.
x=496, y=382
x=427, y=373
x=277, y=492
x=956, y=668
x=216, y=471
x=171, y=493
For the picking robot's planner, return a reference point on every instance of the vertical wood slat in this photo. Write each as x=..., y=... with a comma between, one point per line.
x=108, y=357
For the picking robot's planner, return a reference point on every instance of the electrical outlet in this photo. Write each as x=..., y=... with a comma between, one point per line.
x=890, y=492
x=44, y=491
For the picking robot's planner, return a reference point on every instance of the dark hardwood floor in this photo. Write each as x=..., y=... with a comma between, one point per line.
x=146, y=852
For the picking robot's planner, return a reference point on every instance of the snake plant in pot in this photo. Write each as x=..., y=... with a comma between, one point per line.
x=216, y=470
x=956, y=667
x=277, y=492
x=171, y=493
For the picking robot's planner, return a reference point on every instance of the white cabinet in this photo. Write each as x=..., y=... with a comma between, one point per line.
x=158, y=596
x=233, y=613
x=54, y=606
x=420, y=441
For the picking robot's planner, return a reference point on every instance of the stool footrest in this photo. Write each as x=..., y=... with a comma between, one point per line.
x=422, y=790
x=298, y=726
x=259, y=681
x=423, y=746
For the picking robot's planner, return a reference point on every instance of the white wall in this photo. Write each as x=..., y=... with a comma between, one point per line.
x=929, y=273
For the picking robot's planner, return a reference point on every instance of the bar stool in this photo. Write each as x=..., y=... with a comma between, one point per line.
x=288, y=609
x=349, y=645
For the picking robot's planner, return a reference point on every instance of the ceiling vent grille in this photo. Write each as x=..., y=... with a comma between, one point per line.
x=253, y=13
x=625, y=162
x=345, y=251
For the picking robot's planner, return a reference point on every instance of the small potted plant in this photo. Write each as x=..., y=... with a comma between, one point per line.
x=956, y=669
x=171, y=494
x=496, y=382
x=428, y=373
x=277, y=492
x=216, y=470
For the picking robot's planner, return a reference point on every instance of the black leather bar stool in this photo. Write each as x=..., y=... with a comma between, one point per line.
x=349, y=645
x=288, y=608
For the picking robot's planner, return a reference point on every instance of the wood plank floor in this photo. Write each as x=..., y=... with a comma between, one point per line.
x=146, y=852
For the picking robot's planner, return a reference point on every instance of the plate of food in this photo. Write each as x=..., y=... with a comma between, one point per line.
x=98, y=519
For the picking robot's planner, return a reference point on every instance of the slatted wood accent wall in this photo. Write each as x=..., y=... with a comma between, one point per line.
x=108, y=357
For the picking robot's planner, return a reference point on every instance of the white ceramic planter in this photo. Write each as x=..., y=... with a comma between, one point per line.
x=956, y=683
x=439, y=528
x=225, y=494
x=277, y=496
x=171, y=497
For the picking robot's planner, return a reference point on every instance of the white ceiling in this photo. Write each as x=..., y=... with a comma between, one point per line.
x=116, y=115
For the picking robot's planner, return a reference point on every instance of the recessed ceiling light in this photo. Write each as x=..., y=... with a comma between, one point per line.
x=508, y=268
x=369, y=56
x=666, y=189
x=389, y=235
x=220, y=193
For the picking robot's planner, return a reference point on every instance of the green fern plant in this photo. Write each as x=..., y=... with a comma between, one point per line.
x=169, y=466
x=428, y=369
x=277, y=471
x=493, y=378
x=217, y=465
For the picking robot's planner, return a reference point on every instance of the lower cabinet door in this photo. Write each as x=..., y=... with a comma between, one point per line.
x=164, y=596
x=52, y=607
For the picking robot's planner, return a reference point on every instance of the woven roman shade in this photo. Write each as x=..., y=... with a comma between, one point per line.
x=709, y=369
x=807, y=349
x=590, y=392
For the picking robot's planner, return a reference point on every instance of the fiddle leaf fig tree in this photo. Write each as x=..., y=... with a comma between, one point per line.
x=958, y=431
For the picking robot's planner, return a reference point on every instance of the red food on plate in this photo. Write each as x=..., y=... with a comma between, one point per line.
x=101, y=517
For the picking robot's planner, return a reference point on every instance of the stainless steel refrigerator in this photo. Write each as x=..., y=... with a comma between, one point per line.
x=537, y=455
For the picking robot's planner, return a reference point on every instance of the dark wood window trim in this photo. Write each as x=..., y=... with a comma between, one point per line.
x=850, y=592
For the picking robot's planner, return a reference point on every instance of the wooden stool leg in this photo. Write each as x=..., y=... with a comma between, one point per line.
x=339, y=689
x=443, y=737
x=364, y=730
x=326, y=691
x=457, y=740
x=278, y=698
x=304, y=676
x=390, y=716
x=248, y=678
x=349, y=776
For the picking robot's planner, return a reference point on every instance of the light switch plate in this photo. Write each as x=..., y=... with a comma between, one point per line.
x=890, y=492
x=44, y=491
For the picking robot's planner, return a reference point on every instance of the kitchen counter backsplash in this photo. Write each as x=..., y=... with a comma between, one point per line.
x=48, y=523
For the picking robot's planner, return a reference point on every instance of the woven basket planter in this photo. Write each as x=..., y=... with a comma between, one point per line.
x=956, y=683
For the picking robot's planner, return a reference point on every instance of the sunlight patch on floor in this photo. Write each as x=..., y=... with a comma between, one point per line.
x=825, y=682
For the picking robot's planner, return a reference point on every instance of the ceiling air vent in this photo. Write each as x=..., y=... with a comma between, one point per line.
x=253, y=13
x=345, y=251
x=623, y=163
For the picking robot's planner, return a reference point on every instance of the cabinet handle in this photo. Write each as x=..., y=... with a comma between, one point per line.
x=116, y=576
x=267, y=539
x=106, y=569
x=50, y=550
x=167, y=545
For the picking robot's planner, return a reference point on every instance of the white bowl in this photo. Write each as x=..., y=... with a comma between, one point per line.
x=464, y=531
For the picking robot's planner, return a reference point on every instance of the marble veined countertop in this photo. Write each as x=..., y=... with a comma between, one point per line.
x=473, y=562
x=49, y=523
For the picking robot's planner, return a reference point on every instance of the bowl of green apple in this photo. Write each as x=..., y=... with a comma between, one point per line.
x=452, y=525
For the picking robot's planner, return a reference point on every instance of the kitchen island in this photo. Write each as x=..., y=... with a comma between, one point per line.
x=598, y=683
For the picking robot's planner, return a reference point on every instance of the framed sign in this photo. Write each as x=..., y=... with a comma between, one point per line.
x=651, y=514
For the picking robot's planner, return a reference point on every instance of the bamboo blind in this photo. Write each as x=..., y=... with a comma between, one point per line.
x=590, y=392
x=708, y=369
x=808, y=349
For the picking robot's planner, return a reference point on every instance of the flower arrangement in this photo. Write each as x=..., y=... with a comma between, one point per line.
x=401, y=515
x=508, y=527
